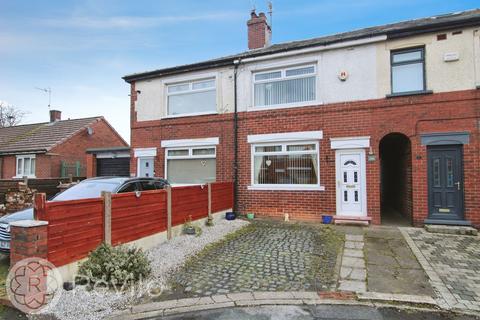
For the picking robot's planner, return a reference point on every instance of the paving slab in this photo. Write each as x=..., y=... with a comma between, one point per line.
x=352, y=285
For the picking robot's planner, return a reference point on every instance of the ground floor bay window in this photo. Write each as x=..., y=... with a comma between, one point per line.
x=287, y=165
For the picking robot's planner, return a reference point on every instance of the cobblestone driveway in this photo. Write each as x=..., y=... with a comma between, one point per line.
x=453, y=265
x=264, y=256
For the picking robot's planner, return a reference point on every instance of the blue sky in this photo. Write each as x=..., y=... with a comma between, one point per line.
x=81, y=49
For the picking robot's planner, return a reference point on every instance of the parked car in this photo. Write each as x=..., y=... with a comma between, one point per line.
x=89, y=188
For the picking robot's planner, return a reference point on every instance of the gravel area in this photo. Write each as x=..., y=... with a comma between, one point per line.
x=166, y=259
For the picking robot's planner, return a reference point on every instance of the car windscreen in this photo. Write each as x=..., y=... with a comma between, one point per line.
x=86, y=190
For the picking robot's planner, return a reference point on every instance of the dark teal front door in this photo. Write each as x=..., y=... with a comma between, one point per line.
x=445, y=182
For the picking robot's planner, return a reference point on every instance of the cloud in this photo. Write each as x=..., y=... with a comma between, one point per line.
x=89, y=22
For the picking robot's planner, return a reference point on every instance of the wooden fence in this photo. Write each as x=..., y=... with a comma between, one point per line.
x=77, y=227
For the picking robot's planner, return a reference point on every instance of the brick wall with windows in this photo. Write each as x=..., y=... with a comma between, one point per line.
x=71, y=150
x=410, y=116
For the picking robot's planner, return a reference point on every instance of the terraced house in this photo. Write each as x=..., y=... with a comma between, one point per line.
x=360, y=125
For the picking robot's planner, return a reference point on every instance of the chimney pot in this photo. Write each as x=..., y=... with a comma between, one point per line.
x=55, y=115
x=259, y=32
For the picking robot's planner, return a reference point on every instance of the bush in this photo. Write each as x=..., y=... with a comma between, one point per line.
x=115, y=266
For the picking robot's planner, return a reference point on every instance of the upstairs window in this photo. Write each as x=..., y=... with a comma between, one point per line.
x=408, y=70
x=285, y=86
x=195, y=97
x=26, y=166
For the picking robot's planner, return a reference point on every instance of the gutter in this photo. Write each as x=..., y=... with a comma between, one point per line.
x=10, y=153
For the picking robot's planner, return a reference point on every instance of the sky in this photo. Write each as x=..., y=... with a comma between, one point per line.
x=81, y=49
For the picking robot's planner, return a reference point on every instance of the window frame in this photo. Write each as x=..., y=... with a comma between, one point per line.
x=394, y=64
x=283, y=77
x=189, y=156
x=284, y=144
x=23, y=157
x=190, y=82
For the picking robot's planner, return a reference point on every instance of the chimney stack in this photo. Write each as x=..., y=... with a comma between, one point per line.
x=259, y=32
x=55, y=115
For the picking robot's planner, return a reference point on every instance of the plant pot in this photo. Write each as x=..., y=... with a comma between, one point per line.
x=326, y=219
x=250, y=216
x=230, y=216
x=189, y=230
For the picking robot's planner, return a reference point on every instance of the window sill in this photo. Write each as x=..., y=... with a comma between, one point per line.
x=286, y=188
x=190, y=115
x=21, y=177
x=410, y=93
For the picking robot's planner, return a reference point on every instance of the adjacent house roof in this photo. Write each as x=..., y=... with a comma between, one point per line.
x=40, y=137
x=392, y=31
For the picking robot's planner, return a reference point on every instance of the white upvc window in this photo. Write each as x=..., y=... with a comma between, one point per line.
x=286, y=166
x=191, y=165
x=25, y=166
x=192, y=97
x=286, y=86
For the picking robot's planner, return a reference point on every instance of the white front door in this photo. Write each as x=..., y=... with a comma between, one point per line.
x=145, y=167
x=351, y=182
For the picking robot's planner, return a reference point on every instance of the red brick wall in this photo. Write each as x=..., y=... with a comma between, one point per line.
x=8, y=167
x=72, y=150
x=411, y=116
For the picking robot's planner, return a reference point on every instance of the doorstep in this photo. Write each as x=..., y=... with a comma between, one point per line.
x=458, y=230
x=352, y=220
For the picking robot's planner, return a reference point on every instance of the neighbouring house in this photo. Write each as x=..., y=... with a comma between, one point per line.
x=369, y=125
x=53, y=149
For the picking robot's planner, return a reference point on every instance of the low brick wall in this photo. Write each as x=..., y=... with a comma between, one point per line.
x=29, y=239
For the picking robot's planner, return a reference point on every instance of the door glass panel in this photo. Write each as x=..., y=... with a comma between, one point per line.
x=436, y=172
x=345, y=195
x=350, y=162
x=345, y=176
x=356, y=196
x=355, y=177
x=449, y=172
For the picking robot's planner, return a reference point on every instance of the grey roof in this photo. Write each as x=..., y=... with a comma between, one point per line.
x=40, y=137
x=392, y=31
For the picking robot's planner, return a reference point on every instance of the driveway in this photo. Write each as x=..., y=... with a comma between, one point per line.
x=265, y=256
x=391, y=265
x=452, y=263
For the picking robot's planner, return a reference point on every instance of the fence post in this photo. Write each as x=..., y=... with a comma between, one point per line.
x=70, y=178
x=39, y=206
x=107, y=217
x=169, y=212
x=25, y=180
x=209, y=187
